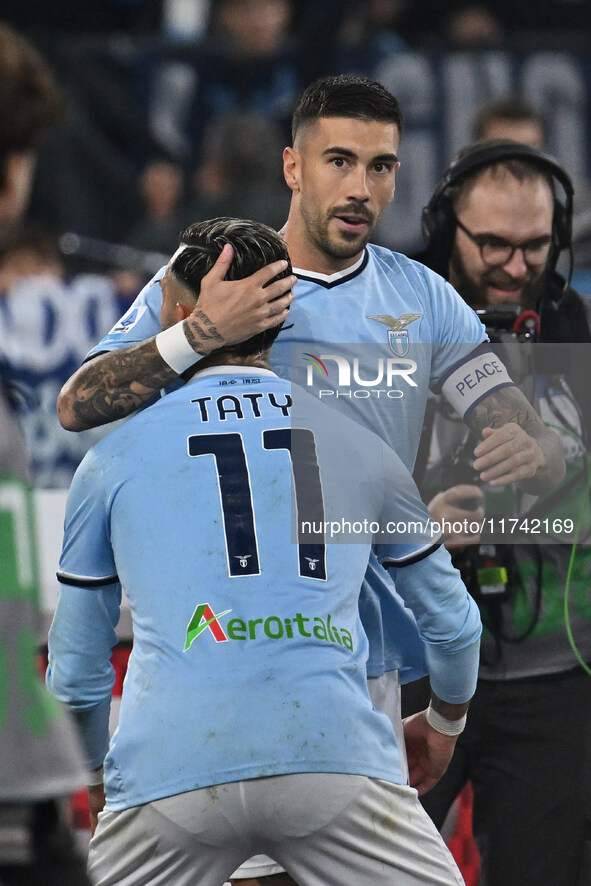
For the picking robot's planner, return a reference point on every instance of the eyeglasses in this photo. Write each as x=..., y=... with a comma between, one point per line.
x=496, y=251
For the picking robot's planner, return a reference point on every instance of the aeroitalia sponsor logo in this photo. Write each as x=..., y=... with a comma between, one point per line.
x=205, y=619
x=273, y=627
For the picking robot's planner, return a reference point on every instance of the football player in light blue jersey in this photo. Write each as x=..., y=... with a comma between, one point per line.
x=341, y=171
x=248, y=666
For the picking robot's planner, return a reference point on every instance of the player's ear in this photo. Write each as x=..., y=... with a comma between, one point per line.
x=181, y=311
x=291, y=168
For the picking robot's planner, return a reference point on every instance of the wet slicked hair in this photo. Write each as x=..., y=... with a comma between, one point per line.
x=346, y=95
x=255, y=245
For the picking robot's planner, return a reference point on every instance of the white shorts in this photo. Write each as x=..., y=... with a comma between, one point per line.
x=324, y=829
x=385, y=695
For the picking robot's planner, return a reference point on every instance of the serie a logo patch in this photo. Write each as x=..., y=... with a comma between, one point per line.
x=128, y=320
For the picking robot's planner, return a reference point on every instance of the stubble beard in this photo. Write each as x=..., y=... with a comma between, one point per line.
x=346, y=245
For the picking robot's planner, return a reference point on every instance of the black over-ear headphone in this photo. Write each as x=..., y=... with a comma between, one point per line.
x=438, y=217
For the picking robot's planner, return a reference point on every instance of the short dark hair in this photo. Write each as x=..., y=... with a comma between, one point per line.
x=31, y=102
x=346, y=95
x=255, y=245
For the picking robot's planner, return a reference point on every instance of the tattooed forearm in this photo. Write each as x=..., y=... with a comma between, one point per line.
x=502, y=407
x=113, y=385
x=532, y=456
x=200, y=330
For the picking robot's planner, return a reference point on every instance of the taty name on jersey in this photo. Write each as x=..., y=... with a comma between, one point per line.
x=237, y=405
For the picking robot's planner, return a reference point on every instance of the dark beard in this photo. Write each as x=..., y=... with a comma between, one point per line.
x=348, y=247
x=348, y=244
x=473, y=294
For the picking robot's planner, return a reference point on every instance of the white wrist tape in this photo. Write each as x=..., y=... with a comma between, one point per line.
x=175, y=350
x=95, y=777
x=442, y=724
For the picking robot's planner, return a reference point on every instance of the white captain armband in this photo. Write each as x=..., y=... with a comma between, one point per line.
x=175, y=350
x=467, y=384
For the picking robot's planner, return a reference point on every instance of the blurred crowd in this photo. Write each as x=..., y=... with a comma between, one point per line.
x=413, y=21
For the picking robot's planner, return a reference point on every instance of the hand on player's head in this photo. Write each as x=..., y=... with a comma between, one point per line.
x=241, y=274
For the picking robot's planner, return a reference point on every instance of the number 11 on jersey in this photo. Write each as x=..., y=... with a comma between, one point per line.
x=236, y=495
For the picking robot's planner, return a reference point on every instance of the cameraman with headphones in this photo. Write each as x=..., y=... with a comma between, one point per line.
x=495, y=227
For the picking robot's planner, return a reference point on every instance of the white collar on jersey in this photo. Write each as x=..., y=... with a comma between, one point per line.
x=231, y=369
x=330, y=278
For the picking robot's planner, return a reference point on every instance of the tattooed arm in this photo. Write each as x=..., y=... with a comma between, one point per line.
x=108, y=387
x=516, y=446
x=116, y=383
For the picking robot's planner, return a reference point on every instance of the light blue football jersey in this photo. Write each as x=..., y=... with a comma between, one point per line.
x=249, y=655
x=384, y=308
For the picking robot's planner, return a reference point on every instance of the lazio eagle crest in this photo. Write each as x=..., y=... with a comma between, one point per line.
x=397, y=334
